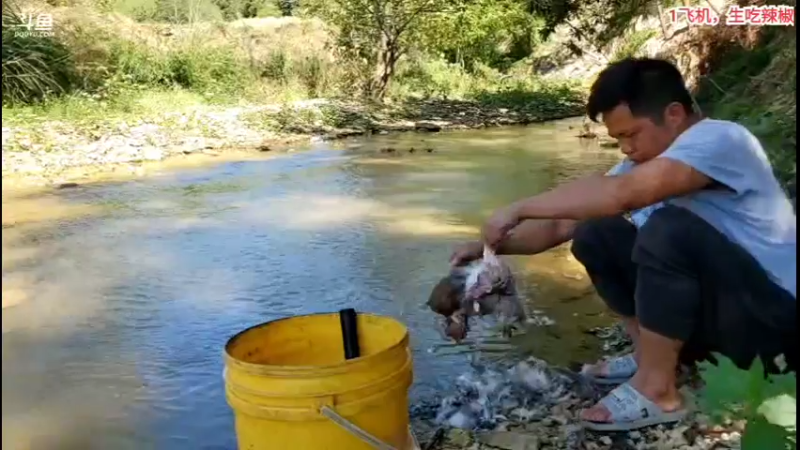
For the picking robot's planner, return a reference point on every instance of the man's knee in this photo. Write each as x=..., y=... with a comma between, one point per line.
x=592, y=238
x=668, y=230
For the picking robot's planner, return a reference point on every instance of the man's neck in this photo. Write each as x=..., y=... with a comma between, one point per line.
x=690, y=122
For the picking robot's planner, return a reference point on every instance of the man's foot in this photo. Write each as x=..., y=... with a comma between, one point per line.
x=615, y=370
x=629, y=407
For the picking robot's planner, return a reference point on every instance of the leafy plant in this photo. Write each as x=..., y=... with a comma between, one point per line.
x=633, y=44
x=35, y=66
x=767, y=403
x=376, y=35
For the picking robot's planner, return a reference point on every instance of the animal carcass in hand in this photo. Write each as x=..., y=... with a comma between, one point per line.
x=483, y=287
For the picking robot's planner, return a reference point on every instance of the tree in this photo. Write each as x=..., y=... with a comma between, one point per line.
x=490, y=32
x=378, y=32
x=287, y=7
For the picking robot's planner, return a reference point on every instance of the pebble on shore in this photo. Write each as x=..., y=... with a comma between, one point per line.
x=47, y=149
x=532, y=405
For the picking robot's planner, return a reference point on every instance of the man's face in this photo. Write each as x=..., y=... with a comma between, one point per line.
x=640, y=138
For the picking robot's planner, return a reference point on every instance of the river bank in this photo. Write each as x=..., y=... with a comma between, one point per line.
x=46, y=151
x=536, y=406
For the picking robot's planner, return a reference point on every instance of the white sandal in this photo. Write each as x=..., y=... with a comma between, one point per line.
x=630, y=410
x=618, y=370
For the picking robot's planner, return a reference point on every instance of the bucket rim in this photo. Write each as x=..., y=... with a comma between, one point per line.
x=295, y=370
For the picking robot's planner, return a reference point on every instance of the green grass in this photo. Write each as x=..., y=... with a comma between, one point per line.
x=82, y=107
x=757, y=87
x=632, y=44
x=35, y=67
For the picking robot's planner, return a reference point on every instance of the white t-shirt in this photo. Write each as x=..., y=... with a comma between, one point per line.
x=755, y=213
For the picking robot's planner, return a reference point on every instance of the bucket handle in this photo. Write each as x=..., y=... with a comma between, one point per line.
x=360, y=433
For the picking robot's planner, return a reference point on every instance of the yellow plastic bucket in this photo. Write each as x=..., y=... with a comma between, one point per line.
x=290, y=387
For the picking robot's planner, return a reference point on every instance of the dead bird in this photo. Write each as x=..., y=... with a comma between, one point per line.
x=481, y=288
x=445, y=299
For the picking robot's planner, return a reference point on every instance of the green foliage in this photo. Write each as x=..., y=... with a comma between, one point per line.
x=767, y=403
x=373, y=36
x=236, y=9
x=756, y=86
x=288, y=7
x=632, y=44
x=35, y=66
x=314, y=73
x=212, y=70
x=552, y=12
x=169, y=11
x=494, y=33
x=594, y=22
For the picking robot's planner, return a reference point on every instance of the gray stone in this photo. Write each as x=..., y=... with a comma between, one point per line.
x=152, y=154
x=509, y=440
x=459, y=437
x=430, y=126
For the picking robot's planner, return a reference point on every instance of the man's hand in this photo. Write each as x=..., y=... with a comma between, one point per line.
x=466, y=253
x=499, y=224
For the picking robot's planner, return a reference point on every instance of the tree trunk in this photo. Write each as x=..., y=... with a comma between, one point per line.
x=384, y=71
x=661, y=22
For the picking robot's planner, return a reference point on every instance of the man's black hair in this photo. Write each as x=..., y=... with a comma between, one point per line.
x=646, y=85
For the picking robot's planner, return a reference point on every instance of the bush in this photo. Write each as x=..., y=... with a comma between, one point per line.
x=35, y=66
x=769, y=404
x=751, y=79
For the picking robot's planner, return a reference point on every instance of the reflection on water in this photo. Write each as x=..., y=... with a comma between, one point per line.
x=121, y=296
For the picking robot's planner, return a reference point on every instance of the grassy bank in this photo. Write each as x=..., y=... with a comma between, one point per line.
x=114, y=66
x=107, y=63
x=105, y=89
x=750, y=76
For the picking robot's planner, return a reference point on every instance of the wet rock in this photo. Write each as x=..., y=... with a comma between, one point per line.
x=573, y=437
x=608, y=144
x=429, y=126
x=509, y=440
x=345, y=133
x=459, y=437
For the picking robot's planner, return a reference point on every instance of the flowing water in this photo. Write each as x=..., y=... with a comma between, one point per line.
x=121, y=295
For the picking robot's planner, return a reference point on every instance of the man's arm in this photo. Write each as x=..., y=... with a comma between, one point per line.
x=532, y=237
x=600, y=196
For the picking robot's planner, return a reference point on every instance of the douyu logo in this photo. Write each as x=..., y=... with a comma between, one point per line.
x=30, y=24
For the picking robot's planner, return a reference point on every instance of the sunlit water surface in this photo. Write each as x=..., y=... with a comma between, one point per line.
x=124, y=294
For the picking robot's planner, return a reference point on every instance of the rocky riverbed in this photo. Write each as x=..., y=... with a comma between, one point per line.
x=529, y=405
x=45, y=149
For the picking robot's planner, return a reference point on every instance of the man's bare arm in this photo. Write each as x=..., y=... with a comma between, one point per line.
x=599, y=196
x=536, y=236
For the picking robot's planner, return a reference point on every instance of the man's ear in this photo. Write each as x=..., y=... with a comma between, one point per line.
x=674, y=115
